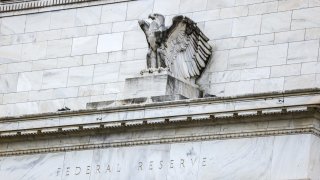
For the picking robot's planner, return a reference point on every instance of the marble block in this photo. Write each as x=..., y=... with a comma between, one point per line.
x=159, y=85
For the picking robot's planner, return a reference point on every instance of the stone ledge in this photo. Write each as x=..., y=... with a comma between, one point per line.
x=37, y=4
x=246, y=97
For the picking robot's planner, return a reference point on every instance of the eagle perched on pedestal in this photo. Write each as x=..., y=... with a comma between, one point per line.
x=181, y=49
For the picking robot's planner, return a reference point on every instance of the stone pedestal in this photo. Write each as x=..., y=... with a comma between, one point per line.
x=159, y=85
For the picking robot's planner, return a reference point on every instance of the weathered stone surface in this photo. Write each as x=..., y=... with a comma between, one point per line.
x=84, y=45
x=50, y=39
x=272, y=55
x=159, y=85
x=276, y=22
x=38, y=22
x=303, y=51
x=110, y=42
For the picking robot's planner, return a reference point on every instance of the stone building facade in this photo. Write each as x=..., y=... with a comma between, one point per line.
x=265, y=74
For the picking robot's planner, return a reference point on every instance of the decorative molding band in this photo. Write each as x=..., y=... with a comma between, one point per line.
x=184, y=120
x=180, y=139
x=35, y=4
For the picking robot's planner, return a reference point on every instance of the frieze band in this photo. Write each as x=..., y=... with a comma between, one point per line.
x=181, y=139
x=35, y=4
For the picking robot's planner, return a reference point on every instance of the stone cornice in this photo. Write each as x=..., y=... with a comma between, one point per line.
x=308, y=127
x=176, y=139
x=246, y=97
x=14, y=6
x=301, y=118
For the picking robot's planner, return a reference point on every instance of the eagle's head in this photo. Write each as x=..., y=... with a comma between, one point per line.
x=158, y=18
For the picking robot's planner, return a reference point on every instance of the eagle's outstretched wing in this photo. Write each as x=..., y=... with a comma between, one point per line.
x=187, y=49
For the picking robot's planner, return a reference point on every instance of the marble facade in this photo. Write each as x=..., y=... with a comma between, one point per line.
x=261, y=121
x=246, y=158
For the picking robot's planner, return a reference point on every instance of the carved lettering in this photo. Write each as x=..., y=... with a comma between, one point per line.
x=68, y=171
x=88, y=170
x=193, y=161
x=161, y=164
x=204, y=161
x=171, y=163
x=150, y=165
x=58, y=171
x=140, y=166
x=181, y=162
x=98, y=168
x=108, y=168
x=77, y=171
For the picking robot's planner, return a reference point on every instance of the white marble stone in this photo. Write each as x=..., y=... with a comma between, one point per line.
x=80, y=75
x=125, y=26
x=246, y=158
x=243, y=87
x=34, y=51
x=13, y=25
x=242, y=58
x=305, y=18
x=63, y=19
x=8, y=83
x=100, y=58
x=255, y=73
x=84, y=45
x=125, y=55
x=110, y=42
x=106, y=73
x=131, y=69
x=268, y=85
x=272, y=55
x=40, y=166
x=15, y=97
x=65, y=92
x=19, y=67
x=166, y=7
x=286, y=70
x=282, y=153
x=287, y=5
x=134, y=39
x=191, y=6
x=310, y=68
x=73, y=32
x=40, y=95
x=88, y=16
x=218, y=29
x=44, y=64
x=29, y=81
x=230, y=43
x=59, y=48
x=38, y=22
x=303, y=51
x=54, y=78
x=216, y=4
x=11, y=53
x=113, y=12
x=139, y=9
x=302, y=81
x=246, y=26
x=313, y=33
x=276, y=22
x=73, y=61
x=99, y=29
x=263, y=8
x=259, y=40
x=48, y=35
x=289, y=36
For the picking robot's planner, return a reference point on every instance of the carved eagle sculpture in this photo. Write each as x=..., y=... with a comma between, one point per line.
x=181, y=49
